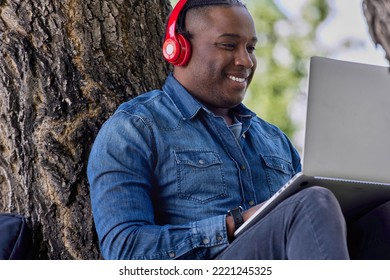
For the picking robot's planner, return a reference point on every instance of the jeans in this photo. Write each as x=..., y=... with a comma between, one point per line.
x=308, y=225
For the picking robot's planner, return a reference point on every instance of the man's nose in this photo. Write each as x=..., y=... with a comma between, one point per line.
x=244, y=58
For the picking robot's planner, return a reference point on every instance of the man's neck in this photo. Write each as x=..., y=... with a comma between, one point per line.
x=225, y=113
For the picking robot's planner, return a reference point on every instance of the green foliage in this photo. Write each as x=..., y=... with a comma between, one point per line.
x=283, y=52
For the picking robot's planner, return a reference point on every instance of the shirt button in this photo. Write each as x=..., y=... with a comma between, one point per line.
x=251, y=203
x=219, y=238
x=172, y=254
x=206, y=241
x=201, y=162
x=243, y=167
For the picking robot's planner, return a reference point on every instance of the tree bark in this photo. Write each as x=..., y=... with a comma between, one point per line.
x=377, y=13
x=64, y=68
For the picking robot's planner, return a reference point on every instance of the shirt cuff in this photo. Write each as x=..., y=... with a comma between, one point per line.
x=211, y=233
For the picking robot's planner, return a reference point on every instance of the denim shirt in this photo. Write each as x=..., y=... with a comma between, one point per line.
x=164, y=171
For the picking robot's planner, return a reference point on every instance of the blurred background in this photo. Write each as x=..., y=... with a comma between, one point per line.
x=290, y=32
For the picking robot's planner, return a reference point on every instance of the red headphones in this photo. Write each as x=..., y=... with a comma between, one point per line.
x=176, y=48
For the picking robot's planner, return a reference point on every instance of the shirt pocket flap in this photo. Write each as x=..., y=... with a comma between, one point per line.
x=278, y=163
x=197, y=158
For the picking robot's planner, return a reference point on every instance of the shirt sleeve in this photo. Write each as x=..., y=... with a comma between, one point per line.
x=120, y=173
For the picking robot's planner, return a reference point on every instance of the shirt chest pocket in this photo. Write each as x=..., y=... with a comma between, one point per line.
x=278, y=171
x=199, y=175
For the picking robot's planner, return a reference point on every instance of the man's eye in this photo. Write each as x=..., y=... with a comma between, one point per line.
x=228, y=46
x=251, y=49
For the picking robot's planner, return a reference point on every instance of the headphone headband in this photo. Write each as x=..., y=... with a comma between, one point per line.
x=171, y=27
x=176, y=48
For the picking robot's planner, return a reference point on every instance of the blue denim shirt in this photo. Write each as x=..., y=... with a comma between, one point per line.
x=164, y=170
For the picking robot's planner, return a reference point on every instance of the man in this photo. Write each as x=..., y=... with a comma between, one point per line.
x=170, y=165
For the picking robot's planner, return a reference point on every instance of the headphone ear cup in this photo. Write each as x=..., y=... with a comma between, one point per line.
x=185, y=51
x=171, y=50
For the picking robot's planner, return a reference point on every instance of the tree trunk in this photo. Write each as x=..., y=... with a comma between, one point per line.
x=377, y=13
x=64, y=68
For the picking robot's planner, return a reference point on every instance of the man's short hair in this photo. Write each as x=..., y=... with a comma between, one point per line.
x=200, y=4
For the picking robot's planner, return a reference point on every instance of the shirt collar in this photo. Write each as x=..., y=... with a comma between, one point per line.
x=189, y=106
x=183, y=100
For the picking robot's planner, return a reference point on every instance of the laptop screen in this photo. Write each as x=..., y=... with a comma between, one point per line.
x=347, y=132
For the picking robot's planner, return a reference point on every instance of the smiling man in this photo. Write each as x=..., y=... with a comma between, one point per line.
x=176, y=170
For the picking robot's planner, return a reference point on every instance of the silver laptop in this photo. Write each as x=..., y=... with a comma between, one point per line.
x=347, y=137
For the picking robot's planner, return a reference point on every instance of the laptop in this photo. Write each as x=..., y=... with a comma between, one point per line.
x=347, y=137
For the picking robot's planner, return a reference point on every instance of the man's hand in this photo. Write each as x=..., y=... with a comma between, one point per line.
x=245, y=215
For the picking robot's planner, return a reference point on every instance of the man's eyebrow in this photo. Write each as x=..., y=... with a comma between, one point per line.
x=234, y=35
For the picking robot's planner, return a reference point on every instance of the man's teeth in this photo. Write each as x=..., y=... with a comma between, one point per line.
x=236, y=79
